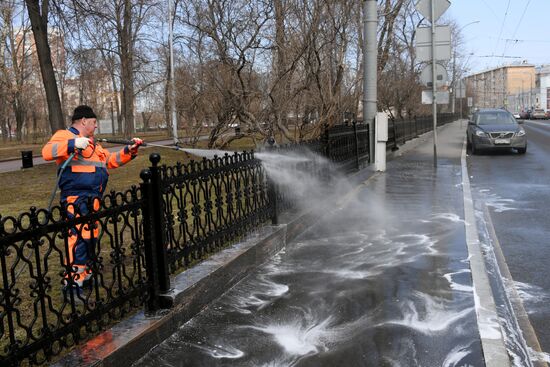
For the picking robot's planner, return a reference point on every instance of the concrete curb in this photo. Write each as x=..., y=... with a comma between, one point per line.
x=492, y=340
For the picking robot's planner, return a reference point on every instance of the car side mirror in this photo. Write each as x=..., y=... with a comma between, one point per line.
x=471, y=123
x=520, y=122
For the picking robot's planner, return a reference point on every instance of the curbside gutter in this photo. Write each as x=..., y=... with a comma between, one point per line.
x=492, y=340
x=522, y=318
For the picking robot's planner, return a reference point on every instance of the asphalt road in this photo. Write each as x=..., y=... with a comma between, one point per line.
x=516, y=191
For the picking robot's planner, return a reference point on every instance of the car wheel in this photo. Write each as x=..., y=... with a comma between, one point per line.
x=468, y=146
x=522, y=150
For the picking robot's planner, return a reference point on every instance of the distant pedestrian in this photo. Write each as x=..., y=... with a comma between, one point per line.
x=82, y=166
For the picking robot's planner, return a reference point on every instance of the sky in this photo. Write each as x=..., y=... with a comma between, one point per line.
x=508, y=31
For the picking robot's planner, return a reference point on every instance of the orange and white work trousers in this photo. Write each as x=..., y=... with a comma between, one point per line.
x=81, y=240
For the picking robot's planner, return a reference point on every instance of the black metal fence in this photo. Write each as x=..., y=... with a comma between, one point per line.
x=197, y=208
x=400, y=131
x=37, y=317
x=138, y=238
x=347, y=145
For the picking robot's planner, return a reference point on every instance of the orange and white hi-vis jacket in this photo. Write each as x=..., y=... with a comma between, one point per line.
x=87, y=172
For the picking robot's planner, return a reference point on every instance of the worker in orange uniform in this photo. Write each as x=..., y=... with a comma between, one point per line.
x=82, y=183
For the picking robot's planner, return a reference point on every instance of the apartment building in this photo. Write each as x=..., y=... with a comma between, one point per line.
x=512, y=87
x=542, y=95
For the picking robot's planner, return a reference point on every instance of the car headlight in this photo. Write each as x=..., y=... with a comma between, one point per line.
x=520, y=133
x=481, y=133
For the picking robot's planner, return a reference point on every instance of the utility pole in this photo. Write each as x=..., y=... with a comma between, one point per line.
x=434, y=87
x=370, y=70
x=172, y=85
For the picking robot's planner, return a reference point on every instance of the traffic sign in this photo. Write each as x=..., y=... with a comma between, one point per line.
x=424, y=7
x=424, y=43
x=440, y=75
x=460, y=89
x=442, y=97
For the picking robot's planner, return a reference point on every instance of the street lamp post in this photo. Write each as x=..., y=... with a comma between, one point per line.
x=454, y=66
x=172, y=86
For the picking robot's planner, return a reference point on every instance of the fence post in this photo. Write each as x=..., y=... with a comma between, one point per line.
x=326, y=136
x=272, y=190
x=272, y=196
x=395, y=147
x=356, y=140
x=153, y=234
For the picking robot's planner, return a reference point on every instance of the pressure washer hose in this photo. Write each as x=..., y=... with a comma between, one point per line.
x=63, y=166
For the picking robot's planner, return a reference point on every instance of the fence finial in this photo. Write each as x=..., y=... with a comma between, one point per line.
x=154, y=158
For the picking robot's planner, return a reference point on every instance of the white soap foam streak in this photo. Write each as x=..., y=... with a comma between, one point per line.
x=255, y=294
x=498, y=203
x=536, y=297
x=174, y=345
x=452, y=217
x=434, y=318
x=299, y=338
x=539, y=356
x=384, y=252
x=218, y=351
x=456, y=355
x=307, y=333
x=458, y=286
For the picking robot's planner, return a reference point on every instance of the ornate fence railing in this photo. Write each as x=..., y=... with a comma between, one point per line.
x=141, y=236
x=38, y=318
x=197, y=208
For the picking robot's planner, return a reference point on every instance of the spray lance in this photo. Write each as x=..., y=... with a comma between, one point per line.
x=144, y=144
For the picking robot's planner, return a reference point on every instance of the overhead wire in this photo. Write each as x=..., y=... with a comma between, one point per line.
x=517, y=27
x=501, y=29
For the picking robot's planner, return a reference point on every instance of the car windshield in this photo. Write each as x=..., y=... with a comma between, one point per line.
x=495, y=118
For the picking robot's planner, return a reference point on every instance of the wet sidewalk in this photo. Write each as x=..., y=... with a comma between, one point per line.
x=391, y=276
x=383, y=280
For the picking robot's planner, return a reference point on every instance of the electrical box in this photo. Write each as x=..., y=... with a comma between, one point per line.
x=381, y=126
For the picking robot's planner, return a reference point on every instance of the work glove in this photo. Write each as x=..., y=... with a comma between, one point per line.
x=134, y=147
x=82, y=143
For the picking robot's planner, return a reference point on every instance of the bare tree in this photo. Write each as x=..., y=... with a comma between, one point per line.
x=113, y=28
x=38, y=14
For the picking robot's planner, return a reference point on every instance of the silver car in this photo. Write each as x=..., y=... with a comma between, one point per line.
x=538, y=113
x=494, y=129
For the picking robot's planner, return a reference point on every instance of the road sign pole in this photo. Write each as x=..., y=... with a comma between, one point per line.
x=434, y=87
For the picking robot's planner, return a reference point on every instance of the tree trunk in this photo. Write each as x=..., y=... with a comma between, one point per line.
x=167, y=100
x=39, y=23
x=127, y=69
x=20, y=114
